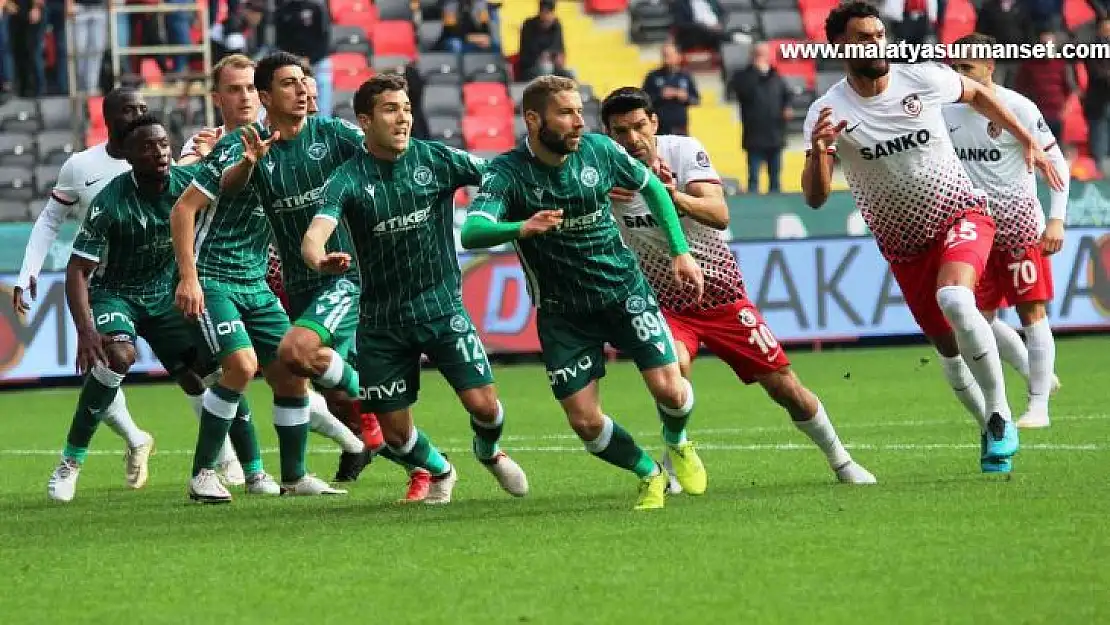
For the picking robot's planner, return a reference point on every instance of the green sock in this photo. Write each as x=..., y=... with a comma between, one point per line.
x=675, y=419
x=244, y=440
x=425, y=455
x=94, y=399
x=387, y=453
x=291, y=423
x=214, y=426
x=622, y=451
x=486, y=435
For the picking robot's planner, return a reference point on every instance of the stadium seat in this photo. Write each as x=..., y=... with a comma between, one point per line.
x=17, y=183
x=825, y=80
x=770, y=5
x=734, y=57
x=745, y=22
x=350, y=70
x=344, y=105
x=443, y=100
x=19, y=115
x=813, y=23
x=439, y=68
x=54, y=147
x=801, y=98
x=488, y=98
x=591, y=112
x=604, y=7
x=446, y=129
x=728, y=6
x=94, y=109
x=731, y=186
x=488, y=132
x=649, y=21
x=361, y=13
x=1077, y=12
x=430, y=10
x=150, y=73
x=782, y=24
x=387, y=64
x=17, y=149
x=56, y=113
x=586, y=92
x=351, y=39
x=389, y=10
x=46, y=176
x=13, y=210
x=804, y=68
x=1076, y=131
x=959, y=20
x=394, y=38
x=428, y=35
x=516, y=92
x=484, y=67
x=520, y=129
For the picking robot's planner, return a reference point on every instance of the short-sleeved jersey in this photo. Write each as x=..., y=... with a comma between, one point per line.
x=290, y=183
x=127, y=234
x=583, y=265
x=688, y=162
x=401, y=215
x=232, y=239
x=995, y=161
x=898, y=158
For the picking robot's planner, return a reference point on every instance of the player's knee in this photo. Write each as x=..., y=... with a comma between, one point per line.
x=297, y=350
x=121, y=356
x=238, y=369
x=670, y=390
x=587, y=423
x=481, y=402
x=957, y=303
x=786, y=390
x=1031, y=312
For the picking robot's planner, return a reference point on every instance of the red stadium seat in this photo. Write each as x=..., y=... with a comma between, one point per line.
x=357, y=13
x=394, y=38
x=96, y=111
x=488, y=133
x=813, y=23
x=820, y=7
x=95, y=135
x=805, y=68
x=151, y=73
x=604, y=7
x=959, y=20
x=1077, y=13
x=1081, y=76
x=487, y=98
x=349, y=70
x=1084, y=169
x=1075, y=125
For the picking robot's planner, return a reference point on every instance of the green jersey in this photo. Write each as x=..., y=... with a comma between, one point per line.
x=583, y=265
x=401, y=215
x=127, y=234
x=232, y=240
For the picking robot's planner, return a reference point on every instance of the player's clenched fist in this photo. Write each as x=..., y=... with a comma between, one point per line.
x=254, y=147
x=335, y=263
x=190, y=298
x=543, y=221
x=825, y=132
x=688, y=274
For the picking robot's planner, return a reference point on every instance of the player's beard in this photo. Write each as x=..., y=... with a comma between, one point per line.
x=871, y=69
x=553, y=141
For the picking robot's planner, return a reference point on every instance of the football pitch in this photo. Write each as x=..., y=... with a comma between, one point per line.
x=774, y=540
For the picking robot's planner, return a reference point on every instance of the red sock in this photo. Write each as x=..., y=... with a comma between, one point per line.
x=371, y=431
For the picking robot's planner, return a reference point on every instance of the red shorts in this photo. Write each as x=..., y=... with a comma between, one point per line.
x=736, y=333
x=969, y=241
x=1015, y=277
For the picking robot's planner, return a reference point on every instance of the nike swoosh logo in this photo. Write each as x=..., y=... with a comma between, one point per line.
x=951, y=129
x=979, y=357
x=851, y=128
x=1025, y=290
x=89, y=183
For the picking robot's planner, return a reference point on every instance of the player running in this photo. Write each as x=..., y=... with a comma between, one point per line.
x=725, y=320
x=398, y=198
x=125, y=238
x=550, y=197
x=83, y=176
x=1019, y=271
x=885, y=125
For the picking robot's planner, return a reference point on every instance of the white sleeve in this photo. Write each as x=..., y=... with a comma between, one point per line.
x=189, y=149
x=694, y=164
x=43, y=235
x=1058, y=200
x=937, y=82
x=810, y=122
x=1031, y=119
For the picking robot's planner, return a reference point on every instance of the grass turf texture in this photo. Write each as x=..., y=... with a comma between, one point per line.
x=775, y=540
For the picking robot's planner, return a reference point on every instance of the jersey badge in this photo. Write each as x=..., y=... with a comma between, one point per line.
x=993, y=131
x=370, y=190
x=635, y=305
x=702, y=159
x=1041, y=125
x=589, y=177
x=422, y=176
x=747, y=318
x=911, y=104
x=317, y=151
x=1018, y=252
x=538, y=192
x=459, y=323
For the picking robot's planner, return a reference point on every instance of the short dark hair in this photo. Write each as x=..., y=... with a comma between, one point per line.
x=115, y=99
x=976, y=39
x=369, y=91
x=540, y=90
x=836, y=24
x=625, y=100
x=270, y=64
x=141, y=121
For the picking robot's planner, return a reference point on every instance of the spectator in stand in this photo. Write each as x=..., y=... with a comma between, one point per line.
x=27, y=37
x=303, y=28
x=1045, y=15
x=56, y=16
x=699, y=24
x=416, y=98
x=7, y=67
x=541, y=44
x=179, y=33
x=90, y=40
x=764, y=99
x=672, y=91
x=240, y=33
x=1048, y=83
x=1005, y=20
x=1096, y=102
x=912, y=21
x=467, y=27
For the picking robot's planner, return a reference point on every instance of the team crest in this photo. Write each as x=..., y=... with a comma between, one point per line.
x=1041, y=125
x=747, y=318
x=702, y=159
x=459, y=323
x=346, y=286
x=538, y=192
x=589, y=177
x=911, y=104
x=422, y=175
x=1018, y=253
x=317, y=151
x=635, y=305
x=993, y=130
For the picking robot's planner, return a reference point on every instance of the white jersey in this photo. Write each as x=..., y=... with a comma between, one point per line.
x=995, y=160
x=82, y=176
x=898, y=158
x=684, y=159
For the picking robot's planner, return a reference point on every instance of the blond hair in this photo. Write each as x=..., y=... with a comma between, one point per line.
x=538, y=92
x=234, y=61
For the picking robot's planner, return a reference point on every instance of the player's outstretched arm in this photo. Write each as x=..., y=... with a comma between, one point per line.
x=183, y=221
x=314, y=247
x=43, y=235
x=818, y=171
x=482, y=231
x=90, y=346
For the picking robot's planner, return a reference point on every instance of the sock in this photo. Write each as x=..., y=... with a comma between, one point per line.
x=821, y=431
x=1042, y=363
x=291, y=422
x=339, y=374
x=97, y=394
x=966, y=389
x=324, y=423
x=244, y=440
x=674, y=419
x=418, y=451
x=486, y=435
x=977, y=345
x=116, y=415
x=220, y=405
x=1011, y=349
x=227, y=451
x=617, y=447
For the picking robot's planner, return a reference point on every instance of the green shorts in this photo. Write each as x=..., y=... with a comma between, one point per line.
x=156, y=320
x=389, y=360
x=232, y=321
x=331, y=312
x=573, y=344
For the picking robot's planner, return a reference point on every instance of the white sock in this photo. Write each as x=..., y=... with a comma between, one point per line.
x=966, y=389
x=1011, y=349
x=977, y=345
x=227, y=452
x=1042, y=363
x=323, y=422
x=116, y=415
x=334, y=373
x=821, y=431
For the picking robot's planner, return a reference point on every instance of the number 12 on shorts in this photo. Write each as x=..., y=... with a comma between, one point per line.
x=470, y=348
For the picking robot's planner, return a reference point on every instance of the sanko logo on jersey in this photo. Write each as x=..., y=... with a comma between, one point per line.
x=401, y=223
x=308, y=198
x=979, y=155
x=908, y=141
x=639, y=221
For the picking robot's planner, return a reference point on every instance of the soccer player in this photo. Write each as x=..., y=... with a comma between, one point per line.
x=885, y=125
x=83, y=176
x=1019, y=271
x=550, y=197
x=725, y=319
x=397, y=195
x=234, y=94
x=125, y=238
x=313, y=99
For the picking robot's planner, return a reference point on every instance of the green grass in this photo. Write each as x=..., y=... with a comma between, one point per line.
x=773, y=541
